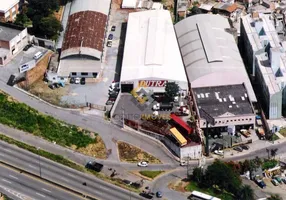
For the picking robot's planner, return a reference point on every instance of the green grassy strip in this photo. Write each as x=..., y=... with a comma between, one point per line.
x=151, y=174
x=60, y=159
x=5, y=197
x=20, y=116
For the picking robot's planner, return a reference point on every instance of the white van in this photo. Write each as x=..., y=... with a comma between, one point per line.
x=38, y=55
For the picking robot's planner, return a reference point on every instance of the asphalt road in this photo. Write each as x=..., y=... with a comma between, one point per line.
x=63, y=175
x=20, y=186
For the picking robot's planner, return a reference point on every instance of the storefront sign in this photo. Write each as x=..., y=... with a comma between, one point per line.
x=150, y=83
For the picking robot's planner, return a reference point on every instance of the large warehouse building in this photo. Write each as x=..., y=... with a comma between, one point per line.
x=83, y=44
x=151, y=53
x=210, y=53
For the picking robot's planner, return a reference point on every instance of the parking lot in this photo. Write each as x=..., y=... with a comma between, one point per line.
x=22, y=57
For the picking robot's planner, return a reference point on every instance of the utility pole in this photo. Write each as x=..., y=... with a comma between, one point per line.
x=207, y=139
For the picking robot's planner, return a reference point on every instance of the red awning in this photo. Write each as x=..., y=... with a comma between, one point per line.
x=181, y=123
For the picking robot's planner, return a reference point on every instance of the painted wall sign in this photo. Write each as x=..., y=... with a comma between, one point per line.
x=154, y=83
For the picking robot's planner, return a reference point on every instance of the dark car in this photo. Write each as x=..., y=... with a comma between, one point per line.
x=52, y=86
x=109, y=44
x=261, y=184
x=159, y=194
x=244, y=146
x=94, y=166
x=113, y=28
x=72, y=80
x=113, y=93
x=27, y=47
x=239, y=149
x=57, y=85
x=127, y=182
x=82, y=81
x=110, y=37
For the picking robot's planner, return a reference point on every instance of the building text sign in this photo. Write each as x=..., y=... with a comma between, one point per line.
x=150, y=83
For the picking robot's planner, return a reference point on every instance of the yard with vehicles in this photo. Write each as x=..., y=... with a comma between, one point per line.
x=130, y=153
x=20, y=116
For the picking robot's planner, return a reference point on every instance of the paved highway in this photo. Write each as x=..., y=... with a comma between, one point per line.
x=21, y=186
x=63, y=175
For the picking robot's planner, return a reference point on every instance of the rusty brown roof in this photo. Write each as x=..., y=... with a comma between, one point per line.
x=231, y=8
x=86, y=27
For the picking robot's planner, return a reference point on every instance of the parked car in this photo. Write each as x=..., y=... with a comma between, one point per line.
x=77, y=80
x=127, y=182
x=284, y=180
x=113, y=28
x=261, y=184
x=72, y=80
x=244, y=146
x=52, y=86
x=57, y=85
x=108, y=102
x=278, y=179
x=109, y=44
x=219, y=152
x=274, y=182
x=110, y=36
x=94, y=166
x=159, y=194
x=27, y=47
x=82, y=81
x=239, y=149
x=143, y=164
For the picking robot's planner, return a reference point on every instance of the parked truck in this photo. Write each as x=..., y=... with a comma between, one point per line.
x=260, y=132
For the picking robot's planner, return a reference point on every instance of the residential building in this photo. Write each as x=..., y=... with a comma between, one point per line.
x=8, y=10
x=266, y=60
x=12, y=40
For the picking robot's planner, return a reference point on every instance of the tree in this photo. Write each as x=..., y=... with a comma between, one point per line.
x=22, y=20
x=236, y=167
x=42, y=7
x=195, y=10
x=245, y=192
x=172, y=89
x=198, y=175
x=275, y=197
x=50, y=26
x=221, y=175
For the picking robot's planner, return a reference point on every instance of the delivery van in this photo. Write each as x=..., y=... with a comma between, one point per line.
x=38, y=55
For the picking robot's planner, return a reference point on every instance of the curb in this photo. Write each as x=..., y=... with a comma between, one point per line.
x=47, y=180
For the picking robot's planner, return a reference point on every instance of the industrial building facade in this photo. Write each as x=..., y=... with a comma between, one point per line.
x=266, y=60
x=151, y=54
x=9, y=10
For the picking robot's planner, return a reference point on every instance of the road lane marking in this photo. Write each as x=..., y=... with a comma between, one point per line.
x=13, y=177
x=6, y=180
x=104, y=188
x=46, y=190
x=33, y=166
x=71, y=175
x=64, y=179
x=40, y=194
x=2, y=154
x=8, y=150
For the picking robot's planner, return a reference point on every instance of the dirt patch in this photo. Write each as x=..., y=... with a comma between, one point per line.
x=97, y=150
x=42, y=90
x=178, y=185
x=129, y=153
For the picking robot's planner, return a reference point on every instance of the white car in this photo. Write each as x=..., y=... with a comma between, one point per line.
x=142, y=164
x=219, y=152
x=77, y=80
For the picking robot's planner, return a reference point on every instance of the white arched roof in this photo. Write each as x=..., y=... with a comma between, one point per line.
x=101, y=6
x=210, y=53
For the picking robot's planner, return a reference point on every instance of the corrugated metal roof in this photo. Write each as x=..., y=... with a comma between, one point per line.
x=228, y=70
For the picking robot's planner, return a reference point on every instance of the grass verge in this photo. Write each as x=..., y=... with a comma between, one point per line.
x=5, y=197
x=193, y=186
x=62, y=160
x=130, y=153
x=22, y=117
x=151, y=174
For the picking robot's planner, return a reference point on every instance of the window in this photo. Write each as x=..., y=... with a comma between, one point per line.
x=226, y=121
x=94, y=75
x=62, y=78
x=73, y=73
x=24, y=37
x=242, y=119
x=84, y=73
x=238, y=119
x=18, y=41
x=5, y=57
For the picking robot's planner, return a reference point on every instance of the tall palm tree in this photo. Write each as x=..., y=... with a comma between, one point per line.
x=246, y=193
x=274, y=197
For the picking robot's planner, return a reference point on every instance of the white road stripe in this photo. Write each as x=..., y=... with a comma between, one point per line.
x=46, y=190
x=33, y=166
x=64, y=179
x=7, y=150
x=13, y=177
x=104, y=188
x=2, y=154
x=40, y=194
x=6, y=180
x=71, y=175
